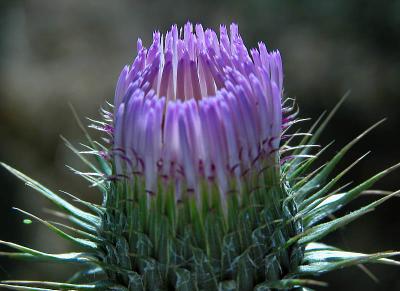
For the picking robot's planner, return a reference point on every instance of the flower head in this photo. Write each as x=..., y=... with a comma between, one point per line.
x=197, y=107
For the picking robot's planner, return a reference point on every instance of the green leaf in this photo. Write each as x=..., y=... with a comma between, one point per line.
x=315, y=135
x=325, y=260
x=24, y=288
x=285, y=284
x=316, y=253
x=59, y=286
x=90, y=177
x=57, y=200
x=315, y=182
x=78, y=231
x=31, y=254
x=319, y=231
x=308, y=204
x=335, y=202
x=99, y=210
x=80, y=155
x=81, y=242
x=303, y=167
x=103, y=164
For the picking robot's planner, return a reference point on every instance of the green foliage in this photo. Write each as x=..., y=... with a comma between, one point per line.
x=266, y=238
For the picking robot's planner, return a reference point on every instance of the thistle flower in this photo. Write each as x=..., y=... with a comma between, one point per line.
x=202, y=187
x=194, y=109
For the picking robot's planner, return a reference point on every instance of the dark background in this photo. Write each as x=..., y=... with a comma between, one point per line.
x=56, y=52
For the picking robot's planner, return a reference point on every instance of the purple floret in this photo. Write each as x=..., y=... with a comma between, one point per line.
x=194, y=107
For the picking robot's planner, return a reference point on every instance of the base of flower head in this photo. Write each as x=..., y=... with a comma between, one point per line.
x=202, y=234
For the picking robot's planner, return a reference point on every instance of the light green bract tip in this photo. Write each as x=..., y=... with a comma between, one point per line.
x=204, y=184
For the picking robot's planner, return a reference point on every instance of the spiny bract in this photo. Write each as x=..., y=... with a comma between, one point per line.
x=202, y=186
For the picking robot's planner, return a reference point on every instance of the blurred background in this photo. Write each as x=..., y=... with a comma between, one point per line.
x=57, y=52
